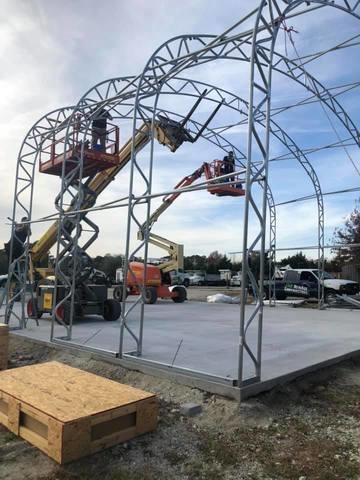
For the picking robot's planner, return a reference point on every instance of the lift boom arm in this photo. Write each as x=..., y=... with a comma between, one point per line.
x=168, y=132
x=174, y=250
x=102, y=179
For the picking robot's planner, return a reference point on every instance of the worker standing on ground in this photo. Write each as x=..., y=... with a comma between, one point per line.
x=99, y=128
x=21, y=232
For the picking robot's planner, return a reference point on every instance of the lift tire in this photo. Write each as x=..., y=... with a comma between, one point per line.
x=181, y=294
x=150, y=295
x=330, y=296
x=32, y=310
x=112, y=310
x=186, y=283
x=117, y=293
x=62, y=313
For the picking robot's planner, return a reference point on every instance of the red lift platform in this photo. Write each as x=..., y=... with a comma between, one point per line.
x=213, y=170
x=96, y=157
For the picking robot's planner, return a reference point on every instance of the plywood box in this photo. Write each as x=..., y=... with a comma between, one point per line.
x=4, y=346
x=68, y=413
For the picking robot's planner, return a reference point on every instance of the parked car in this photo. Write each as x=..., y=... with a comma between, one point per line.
x=304, y=282
x=214, y=280
x=180, y=278
x=236, y=280
x=197, y=279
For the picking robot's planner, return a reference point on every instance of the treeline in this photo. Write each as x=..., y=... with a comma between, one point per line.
x=211, y=263
x=108, y=264
x=216, y=261
x=299, y=260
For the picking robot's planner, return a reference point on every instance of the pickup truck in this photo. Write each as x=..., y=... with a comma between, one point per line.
x=208, y=279
x=304, y=282
x=180, y=278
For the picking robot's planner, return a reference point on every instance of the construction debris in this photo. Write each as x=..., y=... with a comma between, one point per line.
x=190, y=409
x=221, y=298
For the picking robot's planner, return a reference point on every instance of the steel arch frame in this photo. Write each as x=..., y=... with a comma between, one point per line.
x=263, y=27
x=259, y=98
x=220, y=94
x=29, y=152
x=83, y=105
x=296, y=71
x=158, y=63
x=281, y=135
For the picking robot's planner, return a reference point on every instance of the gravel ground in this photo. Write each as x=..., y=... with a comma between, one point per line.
x=306, y=430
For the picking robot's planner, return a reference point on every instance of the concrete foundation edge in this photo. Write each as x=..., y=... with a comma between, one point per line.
x=234, y=393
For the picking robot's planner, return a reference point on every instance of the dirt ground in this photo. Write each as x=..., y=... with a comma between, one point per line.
x=308, y=430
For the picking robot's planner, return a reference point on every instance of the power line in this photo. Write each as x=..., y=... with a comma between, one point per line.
x=312, y=196
x=286, y=156
x=313, y=98
x=345, y=44
x=288, y=31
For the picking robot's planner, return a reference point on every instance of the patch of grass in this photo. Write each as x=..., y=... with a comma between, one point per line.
x=289, y=450
x=342, y=399
x=318, y=459
x=222, y=449
x=144, y=474
x=200, y=470
x=173, y=457
x=117, y=474
x=6, y=437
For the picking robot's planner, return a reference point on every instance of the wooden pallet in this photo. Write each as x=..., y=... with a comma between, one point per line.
x=68, y=413
x=4, y=346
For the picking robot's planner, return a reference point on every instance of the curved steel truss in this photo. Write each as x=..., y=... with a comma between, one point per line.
x=140, y=99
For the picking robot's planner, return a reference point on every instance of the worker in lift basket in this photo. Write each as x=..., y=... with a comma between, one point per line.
x=99, y=129
x=228, y=166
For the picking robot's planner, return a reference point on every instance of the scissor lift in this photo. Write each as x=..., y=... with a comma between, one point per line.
x=95, y=159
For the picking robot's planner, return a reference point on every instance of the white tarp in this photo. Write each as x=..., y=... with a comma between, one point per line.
x=221, y=298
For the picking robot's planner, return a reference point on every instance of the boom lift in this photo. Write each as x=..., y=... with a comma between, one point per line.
x=158, y=282
x=100, y=169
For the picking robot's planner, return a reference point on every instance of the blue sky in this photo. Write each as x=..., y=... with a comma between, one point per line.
x=52, y=52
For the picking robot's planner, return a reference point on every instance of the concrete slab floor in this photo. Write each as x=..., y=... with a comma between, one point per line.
x=294, y=339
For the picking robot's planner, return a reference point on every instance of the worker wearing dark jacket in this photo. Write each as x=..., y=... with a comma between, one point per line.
x=99, y=128
x=21, y=232
x=228, y=165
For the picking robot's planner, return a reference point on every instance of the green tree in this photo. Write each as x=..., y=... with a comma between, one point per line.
x=217, y=261
x=195, y=262
x=299, y=260
x=349, y=233
x=108, y=264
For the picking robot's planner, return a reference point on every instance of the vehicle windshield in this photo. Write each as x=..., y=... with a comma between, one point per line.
x=326, y=275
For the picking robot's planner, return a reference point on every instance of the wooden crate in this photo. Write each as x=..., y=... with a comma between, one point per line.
x=68, y=413
x=4, y=346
